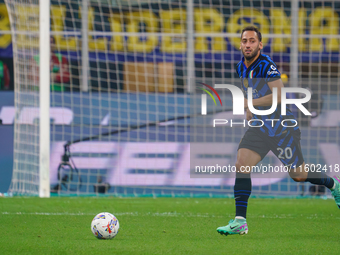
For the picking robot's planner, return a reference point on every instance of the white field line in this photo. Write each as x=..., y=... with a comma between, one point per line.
x=166, y=214
x=176, y=214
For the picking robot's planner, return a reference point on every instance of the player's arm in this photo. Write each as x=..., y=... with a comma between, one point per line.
x=249, y=115
x=268, y=99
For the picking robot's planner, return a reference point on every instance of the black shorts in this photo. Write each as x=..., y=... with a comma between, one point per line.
x=286, y=147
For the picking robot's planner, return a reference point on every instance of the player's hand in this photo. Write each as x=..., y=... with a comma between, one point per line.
x=249, y=115
x=245, y=104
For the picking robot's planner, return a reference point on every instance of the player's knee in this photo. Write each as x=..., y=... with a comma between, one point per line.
x=239, y=164
x=299, y=179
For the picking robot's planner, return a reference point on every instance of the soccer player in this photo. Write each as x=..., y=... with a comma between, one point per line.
x=258, y=71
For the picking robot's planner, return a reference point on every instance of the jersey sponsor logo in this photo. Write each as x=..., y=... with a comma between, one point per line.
x=272, y=72
x=256, y=94
x=273, y=67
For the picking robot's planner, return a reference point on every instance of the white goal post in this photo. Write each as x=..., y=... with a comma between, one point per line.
x=44, y=99
x=32, y=177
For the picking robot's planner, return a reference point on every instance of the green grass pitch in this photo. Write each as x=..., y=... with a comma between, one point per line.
x=168, y=226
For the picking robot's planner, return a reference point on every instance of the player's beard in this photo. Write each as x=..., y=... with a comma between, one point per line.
x=253, y=55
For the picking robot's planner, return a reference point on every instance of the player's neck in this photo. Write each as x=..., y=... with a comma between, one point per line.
x=250, y=61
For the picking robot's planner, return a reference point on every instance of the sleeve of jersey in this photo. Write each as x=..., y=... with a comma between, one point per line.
x=271, y=73
x=237, y=67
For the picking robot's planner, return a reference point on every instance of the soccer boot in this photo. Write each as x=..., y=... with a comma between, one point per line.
x=236, y=226
x=336, y=191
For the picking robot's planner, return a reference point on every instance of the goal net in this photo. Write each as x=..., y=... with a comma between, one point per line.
x=124, y=76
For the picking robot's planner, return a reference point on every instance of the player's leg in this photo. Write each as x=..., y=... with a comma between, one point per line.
x=251, y=150
x=301, y=174
x=291, y=154
x=246, y=158
x=336, y=190
x=298, y=173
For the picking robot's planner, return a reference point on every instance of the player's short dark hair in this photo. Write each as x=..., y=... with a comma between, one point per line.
x=252, y=28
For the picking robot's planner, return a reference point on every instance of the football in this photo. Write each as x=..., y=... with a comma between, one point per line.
x=105, y=226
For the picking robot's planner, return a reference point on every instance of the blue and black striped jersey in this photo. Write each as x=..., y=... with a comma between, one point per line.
x=257, y=76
